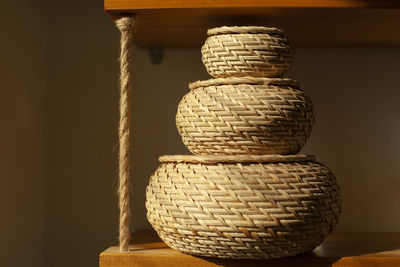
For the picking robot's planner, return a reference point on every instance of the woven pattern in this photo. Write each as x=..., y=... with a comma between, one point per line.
x=247, y=51
x=234, y=118
x=245, y=193
x=243, y=210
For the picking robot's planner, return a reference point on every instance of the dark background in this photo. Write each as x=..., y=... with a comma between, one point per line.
x=58, y=111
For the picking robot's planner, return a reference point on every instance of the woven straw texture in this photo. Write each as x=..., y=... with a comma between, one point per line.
x=247, y=51
x=250, y=116
x=243, y=210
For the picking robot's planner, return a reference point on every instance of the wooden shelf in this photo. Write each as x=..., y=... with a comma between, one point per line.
x=338, y=250
x=123, y=5
x=178, y=23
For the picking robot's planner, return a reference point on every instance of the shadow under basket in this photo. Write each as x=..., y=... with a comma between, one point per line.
x=250, y=207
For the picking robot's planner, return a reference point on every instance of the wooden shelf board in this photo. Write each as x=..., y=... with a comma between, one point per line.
x=122, y=5
x=338, y=250
x=181, y=23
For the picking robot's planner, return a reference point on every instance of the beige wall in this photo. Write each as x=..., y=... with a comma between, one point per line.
x=22, y=49
x=356, y=97
x=355, y=93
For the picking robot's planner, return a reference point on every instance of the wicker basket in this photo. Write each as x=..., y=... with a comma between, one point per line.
x=245, y=116
x=242, y=206
x=247, y=51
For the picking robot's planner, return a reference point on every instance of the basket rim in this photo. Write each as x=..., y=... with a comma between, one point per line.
x=244, y=80
x=214, y=159
x=243, y=29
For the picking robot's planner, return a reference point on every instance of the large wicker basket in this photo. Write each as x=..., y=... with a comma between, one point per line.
x=245, y=116
x=247, y=51
x=242, y=206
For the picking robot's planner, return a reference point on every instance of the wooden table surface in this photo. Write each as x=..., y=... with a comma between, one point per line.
x=339, y=250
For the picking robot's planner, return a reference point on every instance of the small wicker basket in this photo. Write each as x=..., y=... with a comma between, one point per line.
x=254, y=207
x=245, y=116
x=247, y=51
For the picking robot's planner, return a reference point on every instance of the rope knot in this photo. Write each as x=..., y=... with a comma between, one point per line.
x=125, y=24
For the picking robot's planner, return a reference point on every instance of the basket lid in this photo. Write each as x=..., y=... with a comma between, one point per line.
x=245, y=80
x=213, y=159
x=244, y=29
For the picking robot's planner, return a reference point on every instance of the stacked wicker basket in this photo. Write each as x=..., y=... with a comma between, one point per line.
x=245, y=193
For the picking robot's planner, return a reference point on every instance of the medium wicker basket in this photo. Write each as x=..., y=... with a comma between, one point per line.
x=254, y=207
x=245, y=116
x=247, y=51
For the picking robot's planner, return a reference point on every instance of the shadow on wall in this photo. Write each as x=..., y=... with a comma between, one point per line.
x=356, y=103
x=22, y=49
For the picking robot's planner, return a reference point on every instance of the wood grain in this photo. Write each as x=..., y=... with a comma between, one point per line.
x=338, y=250
x=166, y=4
x=324, y=23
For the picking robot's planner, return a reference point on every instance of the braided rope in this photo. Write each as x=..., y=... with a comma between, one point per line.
x=244, y=29
x=212, y=159
x=245, y=80
x=125, y=25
